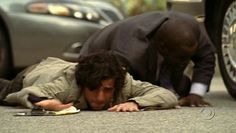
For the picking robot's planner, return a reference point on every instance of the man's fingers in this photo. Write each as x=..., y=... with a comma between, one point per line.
x=43, y=103
x=53, y=105
x=126, y=109
x=123, y=108
x=113, y=108
x=193, y=101
x=64, y=106
x=183, y=102
x=120, y=108
x=201, y=103
x=130, y=109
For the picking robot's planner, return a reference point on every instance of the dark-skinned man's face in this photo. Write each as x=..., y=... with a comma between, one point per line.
x=176, y=41
x=176, y=54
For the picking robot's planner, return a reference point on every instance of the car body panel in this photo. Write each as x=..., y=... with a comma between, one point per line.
x=44, y=36
x=36, y=36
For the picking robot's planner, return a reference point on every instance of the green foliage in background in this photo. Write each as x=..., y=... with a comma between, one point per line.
x=134, y=7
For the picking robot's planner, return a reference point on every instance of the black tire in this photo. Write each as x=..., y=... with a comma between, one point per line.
x=226, y=43
x=5, y=55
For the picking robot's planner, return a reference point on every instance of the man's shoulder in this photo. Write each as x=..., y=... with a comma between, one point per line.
x=54, y=63
x=51, y=63
x=50, y=60
x=49, y=69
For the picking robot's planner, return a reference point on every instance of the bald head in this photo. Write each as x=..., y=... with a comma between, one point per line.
x=177, y=37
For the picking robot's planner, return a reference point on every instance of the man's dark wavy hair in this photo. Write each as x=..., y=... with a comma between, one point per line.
x=94, y=68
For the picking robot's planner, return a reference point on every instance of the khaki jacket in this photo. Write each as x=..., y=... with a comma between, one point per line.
x=54, y=78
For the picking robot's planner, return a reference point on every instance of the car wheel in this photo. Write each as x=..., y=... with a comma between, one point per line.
x=226, y=45
x=5, y=58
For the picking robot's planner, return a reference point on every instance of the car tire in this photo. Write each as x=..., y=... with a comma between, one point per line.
x=5, y=56
x=226, y=44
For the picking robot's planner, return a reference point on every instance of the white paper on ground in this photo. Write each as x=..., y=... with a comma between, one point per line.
x=70, y=110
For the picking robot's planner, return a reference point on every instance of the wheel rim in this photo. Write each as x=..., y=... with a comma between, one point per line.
x=229, y=41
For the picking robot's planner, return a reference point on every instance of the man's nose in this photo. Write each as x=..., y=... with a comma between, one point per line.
x=101, y=96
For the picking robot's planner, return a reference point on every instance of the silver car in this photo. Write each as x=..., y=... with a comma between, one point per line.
x=219, y=17
x=31, y=30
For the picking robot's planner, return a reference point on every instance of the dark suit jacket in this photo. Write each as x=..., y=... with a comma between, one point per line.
x=131, y=39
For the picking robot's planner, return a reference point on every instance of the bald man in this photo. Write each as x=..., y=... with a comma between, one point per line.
x=156, y=47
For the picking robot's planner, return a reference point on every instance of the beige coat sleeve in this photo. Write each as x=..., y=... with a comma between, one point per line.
x=57, y=89
x=148, y=95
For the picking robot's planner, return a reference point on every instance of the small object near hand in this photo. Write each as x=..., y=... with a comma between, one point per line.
x=42, y=112
x=193, y=100
x=125, y=107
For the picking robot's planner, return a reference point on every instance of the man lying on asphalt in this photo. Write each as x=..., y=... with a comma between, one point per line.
x=157, y=47
x=96, y=82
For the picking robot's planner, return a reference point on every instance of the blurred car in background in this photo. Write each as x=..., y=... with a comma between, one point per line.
x=31, y=30
x=219, y=19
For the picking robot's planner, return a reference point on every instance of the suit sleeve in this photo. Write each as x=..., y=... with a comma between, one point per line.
x=150, y=96
x=204, y=61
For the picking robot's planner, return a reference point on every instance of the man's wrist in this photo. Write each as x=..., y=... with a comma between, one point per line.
x=34, y=99
x=133, y=101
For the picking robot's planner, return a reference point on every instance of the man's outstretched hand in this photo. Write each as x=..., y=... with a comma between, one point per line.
x=193, y=101
x=53, y=105
x=124, y=107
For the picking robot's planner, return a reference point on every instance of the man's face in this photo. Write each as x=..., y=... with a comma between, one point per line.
x=177, y=44
x=100, y=96
x=177, y=54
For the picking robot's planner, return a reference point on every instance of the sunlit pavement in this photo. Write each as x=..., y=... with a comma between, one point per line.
x=220, y=118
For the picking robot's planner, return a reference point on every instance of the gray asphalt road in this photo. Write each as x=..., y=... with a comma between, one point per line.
x=220, y=118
